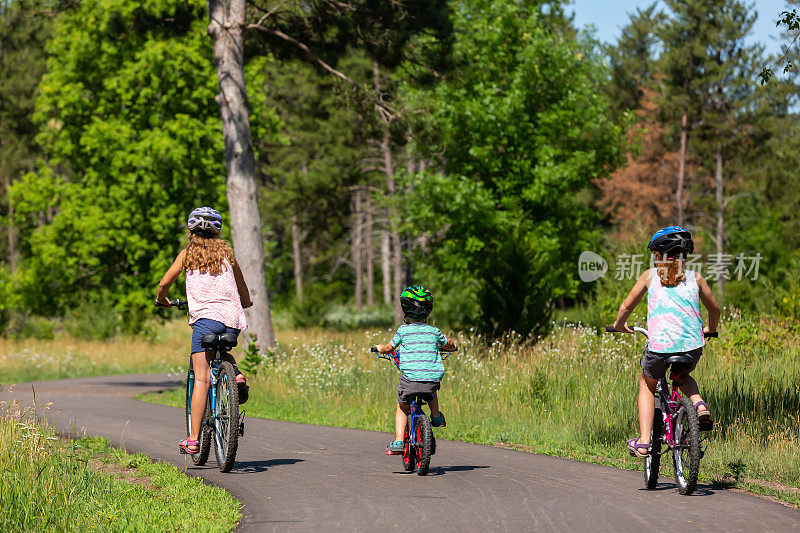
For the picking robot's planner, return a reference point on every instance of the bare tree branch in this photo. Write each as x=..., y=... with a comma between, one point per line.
x=386, y=112
x=304, y=47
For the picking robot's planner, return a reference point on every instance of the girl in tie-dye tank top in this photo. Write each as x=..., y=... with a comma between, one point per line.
x=217, y=296
x=674, y=326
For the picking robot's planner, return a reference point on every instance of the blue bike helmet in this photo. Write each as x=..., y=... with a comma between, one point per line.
x=205, y=222
x=672, y=240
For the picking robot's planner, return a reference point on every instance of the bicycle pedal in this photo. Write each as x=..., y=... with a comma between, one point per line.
x=241, y=429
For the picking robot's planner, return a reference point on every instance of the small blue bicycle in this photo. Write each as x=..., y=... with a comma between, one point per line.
x=419, y=442
x=222, y=422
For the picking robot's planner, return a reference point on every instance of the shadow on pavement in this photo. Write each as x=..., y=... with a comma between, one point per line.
x=701, y=490
x=442, y=470
x=252, y=467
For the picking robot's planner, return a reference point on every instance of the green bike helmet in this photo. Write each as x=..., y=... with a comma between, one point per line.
x=416, y=302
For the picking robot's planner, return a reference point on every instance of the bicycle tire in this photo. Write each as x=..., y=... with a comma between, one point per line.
x=409, y=455
x=226, y=417
x=652, y=462
x=687, y=436
x=424, y=440
x=203, y=439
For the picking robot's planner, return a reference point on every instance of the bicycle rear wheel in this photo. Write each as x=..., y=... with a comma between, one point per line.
x=686, y=454
x=424, y=440
x=226, y=417
x=409, y=451
x=653, y=461
x=204, y=438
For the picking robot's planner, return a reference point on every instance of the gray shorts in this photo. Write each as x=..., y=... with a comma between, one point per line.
x=406, y=390
x=654, y=367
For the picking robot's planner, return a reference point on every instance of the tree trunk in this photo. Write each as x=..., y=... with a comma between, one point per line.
x=388, y=169
x=357, y=248
x=720, y=237
x=298, y=261
x=386, y=267
x=682, y=168
x=12, y=240
x=370, y=251
x=225, y=28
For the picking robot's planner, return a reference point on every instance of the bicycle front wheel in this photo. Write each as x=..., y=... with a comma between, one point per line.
x=226, y=417
x=204, y=438
x=686, y=454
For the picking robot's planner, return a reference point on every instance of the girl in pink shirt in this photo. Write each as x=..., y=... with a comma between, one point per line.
x=217, y=296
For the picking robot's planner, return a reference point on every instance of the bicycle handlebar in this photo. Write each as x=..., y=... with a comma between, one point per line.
x=637, y=329
x=180, y=304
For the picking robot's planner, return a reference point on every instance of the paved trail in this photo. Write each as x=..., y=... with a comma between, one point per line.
x=295, y=477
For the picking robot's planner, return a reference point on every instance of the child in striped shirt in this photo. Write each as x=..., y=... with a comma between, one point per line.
x=417, y=345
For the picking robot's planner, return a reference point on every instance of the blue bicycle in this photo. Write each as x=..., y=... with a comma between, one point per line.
x=222, y=422
x=419, y=444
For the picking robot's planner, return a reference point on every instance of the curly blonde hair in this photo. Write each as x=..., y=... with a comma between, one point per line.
x=670, y=270
x=207, y=254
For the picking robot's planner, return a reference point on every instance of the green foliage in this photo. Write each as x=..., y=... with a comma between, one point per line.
x=127, y=115
x=514, y=210
x=30, y=327
x=253, y=359
x=25, y=26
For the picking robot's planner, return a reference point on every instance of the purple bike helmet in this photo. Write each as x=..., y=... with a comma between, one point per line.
x=205, y=222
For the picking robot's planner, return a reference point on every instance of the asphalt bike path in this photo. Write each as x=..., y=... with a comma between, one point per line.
x=297, y=477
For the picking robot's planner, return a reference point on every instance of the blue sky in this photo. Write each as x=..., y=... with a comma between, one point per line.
x=609, y=16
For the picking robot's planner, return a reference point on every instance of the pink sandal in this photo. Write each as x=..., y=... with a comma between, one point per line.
x=184, y=446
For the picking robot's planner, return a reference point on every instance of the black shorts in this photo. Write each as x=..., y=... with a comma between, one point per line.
x=406, y=390
x=654, y=367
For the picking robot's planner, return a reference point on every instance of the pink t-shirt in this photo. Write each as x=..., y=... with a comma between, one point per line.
x=215, y=296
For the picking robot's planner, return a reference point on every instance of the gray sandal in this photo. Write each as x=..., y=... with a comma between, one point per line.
x=634, y=445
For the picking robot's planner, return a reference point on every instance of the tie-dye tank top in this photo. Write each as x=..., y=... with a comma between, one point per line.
x=215, y=296
x=673, y=315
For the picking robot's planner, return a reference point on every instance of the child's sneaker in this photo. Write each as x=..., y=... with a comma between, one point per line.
x=396, y=447
x=438, y=421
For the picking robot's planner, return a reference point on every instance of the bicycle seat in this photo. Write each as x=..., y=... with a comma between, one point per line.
x=223, y=340
x=678, y=359
x=420, y=397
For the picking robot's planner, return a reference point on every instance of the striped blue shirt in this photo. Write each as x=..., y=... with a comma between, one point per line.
x=417, y=345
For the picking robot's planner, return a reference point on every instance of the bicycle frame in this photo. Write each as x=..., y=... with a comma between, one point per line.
x=669, y=409
x=416, y=412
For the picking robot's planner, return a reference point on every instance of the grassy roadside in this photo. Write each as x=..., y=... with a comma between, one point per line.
x=52, y=484
x=570, y=395
x=164, y=350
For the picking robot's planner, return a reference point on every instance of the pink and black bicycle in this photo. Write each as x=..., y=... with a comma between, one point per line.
x=675, y=427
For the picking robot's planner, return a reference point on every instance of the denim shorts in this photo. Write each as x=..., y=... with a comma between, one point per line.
x=406, y=390
x=654, y=366
x=204, y=326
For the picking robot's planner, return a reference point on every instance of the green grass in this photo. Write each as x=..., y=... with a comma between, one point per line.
x=64, y=356
x=51, y=484
x=571, y=394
